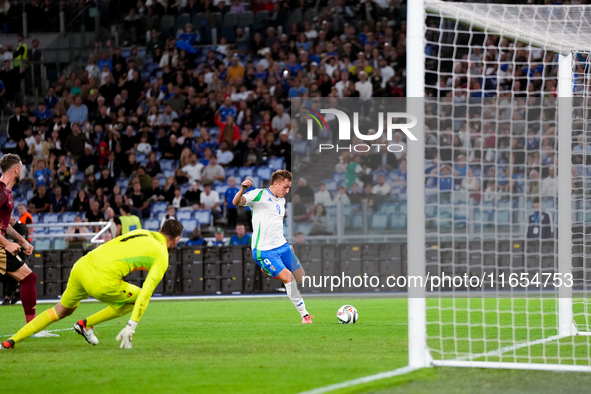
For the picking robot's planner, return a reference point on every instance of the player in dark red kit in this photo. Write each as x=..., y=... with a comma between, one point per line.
x=10, y=262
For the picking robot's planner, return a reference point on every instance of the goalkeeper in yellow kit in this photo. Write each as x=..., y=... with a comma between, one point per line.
x=99, y=274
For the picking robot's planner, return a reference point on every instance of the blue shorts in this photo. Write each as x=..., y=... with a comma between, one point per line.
x=275, y=260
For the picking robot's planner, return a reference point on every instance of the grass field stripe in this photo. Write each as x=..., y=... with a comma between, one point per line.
x=62, y=329
x=358, y=381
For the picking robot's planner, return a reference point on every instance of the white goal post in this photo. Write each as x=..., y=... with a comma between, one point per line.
x=504, y=327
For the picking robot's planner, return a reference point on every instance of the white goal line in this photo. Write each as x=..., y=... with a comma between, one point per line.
x=95, y=236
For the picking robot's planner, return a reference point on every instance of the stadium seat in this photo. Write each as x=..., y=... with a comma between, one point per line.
x=388, y=208
x=356, y=221
x=276, y=163
x=59, y=244
x=168, y=173
x=36, y=217
x=221, y=189
x=230, y=171
x=398, y=221
x=159, y=206
x=141, y=157
x=185, y=214
x=167, y=25
x=199, y=21
x=122, y=182
x=167, y=164
x=51, y=218
x=245, y=19
x=68, y=217
x=378, y=221
x=264, y=173
x=189, y=225
x=159, y=215
x=430, y=211
x=42, y=244
x=547, y=203
x=402, y=207
x=338, y=177
x=230, y=20
x=203, y=216
x=331, y=185
x=229, y=33
x=303, y=228
x=243, y=172
x=260, y=21
x=152, y=224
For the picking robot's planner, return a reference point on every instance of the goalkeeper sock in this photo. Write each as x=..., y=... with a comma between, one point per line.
x=107, y=314
x=37, y=324
x=295, y=297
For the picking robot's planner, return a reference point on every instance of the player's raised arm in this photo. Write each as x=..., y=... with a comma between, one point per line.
x=239, y=199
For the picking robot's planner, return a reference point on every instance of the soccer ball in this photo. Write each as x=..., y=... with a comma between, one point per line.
x=347, y=314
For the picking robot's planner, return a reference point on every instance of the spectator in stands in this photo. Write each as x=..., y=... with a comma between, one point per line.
x=219, y=237
x=106, y=182
x=17, y=124
x=94, y=214
x=240, y=238
x=100, y=197
x=81, y=203
x=550, y=184
x=193, y=195
x=224, y=155
x=144, y=178
x=138, y=200
x=304, y=191
x=540, y=224
x=76, y=144
x=281, y=120
x=319, y=221
x=229, y=131
x=170, y=214
x=196, y=239
x=129, y=222
x=42, y=175
x=533, y=186
x=40, y=203
x=342, y=196
x=193, y=169
x=26, y=219
x=155, y=192
x=283, y=148
x=299, y=238
x=12, y=82
x=323, y=196
x=213, y=171
x=73, y=241
x=78, y=112
x=59, y=203
x=210, y=199
x=131, y=165
x=382, y=188
x=178, y=201
x=252, y=156
x=153, y=167
x=231, y=210
x=114, y=220
x=369, y=197
x=173, y=149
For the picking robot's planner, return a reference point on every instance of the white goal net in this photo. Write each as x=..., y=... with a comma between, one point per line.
x=507, y=158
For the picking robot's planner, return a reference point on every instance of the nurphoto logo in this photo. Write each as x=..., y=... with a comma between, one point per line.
x=392, y=124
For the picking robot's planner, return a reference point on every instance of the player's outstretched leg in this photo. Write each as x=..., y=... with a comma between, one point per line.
x=34, y=326
x=85, y=327
x=294, y=294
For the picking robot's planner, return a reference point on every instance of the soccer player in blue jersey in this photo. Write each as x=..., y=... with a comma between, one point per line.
x=269, y=247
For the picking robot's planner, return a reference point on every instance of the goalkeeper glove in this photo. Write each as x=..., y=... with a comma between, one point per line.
x=125, y=335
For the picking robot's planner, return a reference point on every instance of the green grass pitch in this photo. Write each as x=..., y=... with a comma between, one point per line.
x=246, y=346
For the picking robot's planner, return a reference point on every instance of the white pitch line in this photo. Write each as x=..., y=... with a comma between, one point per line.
x=499, y=352
x=62, y=329
x=366, y=379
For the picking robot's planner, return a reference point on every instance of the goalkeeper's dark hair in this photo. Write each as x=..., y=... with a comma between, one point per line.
x=172, y=228
x=8, y=161
x=280, y=175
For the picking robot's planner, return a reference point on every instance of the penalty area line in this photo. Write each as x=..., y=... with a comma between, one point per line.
x=358, y=381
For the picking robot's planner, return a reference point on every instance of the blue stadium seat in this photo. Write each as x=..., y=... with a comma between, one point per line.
x=203, y=216
x=331, y=185
x=402, y=207
x=256, y=181
x=36, y=217
x=547, y=203
x=276, y=163
x=264, y=173
x=167, y=164
x=338, y=177
x=243, y=172
x=42, y=244
x=182, y=20
x=152, y=224
x=230, y=171
x=122, y=182
x=168, y=173
x=69, y=216
x=398, y=221
x=221, y=189
x=51, y=218
x=430, y=211
x=141, y=157
x=185, y=214
x=388, y=208
x=356, y=221
x=59, y=244
x=460, y=212
x=189, y=225
x=159, y=206
x=159, y=216
x=56, y=230
x=82, y=215
x=378, y=221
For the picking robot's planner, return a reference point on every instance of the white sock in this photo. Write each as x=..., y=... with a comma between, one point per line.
x=295, y=297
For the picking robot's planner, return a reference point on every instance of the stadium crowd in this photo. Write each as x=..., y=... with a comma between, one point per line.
x=180, y=123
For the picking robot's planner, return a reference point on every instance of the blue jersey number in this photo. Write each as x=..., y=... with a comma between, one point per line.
x=278, y=208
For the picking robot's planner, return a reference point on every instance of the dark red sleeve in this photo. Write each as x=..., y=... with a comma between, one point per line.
x=3, y=195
